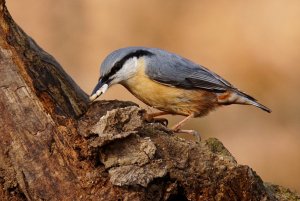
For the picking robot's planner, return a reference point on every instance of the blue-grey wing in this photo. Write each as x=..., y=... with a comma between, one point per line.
x=173, y=70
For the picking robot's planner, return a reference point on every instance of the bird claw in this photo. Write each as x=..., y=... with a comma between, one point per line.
x=162, y=121
x=150, y=118
x=192, y=132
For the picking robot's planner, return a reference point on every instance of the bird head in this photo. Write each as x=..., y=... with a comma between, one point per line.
x=117, y=67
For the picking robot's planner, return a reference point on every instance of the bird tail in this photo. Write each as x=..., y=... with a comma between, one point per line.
x=239, y=97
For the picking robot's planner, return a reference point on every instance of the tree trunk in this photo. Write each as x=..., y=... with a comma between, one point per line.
x=54, y=145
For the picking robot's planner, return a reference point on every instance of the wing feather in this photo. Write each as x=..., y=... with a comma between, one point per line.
x=174, y=70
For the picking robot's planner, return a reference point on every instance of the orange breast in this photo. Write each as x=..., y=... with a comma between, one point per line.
x=167, y=98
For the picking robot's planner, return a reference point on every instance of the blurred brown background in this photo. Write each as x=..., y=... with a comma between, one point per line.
x=253, y=44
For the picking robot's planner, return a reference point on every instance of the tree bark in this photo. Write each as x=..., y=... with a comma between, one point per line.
x=55, y=145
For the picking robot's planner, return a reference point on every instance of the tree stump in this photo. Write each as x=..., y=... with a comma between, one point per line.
x=55, y=145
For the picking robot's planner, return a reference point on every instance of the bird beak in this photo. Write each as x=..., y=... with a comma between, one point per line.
x=99, y=90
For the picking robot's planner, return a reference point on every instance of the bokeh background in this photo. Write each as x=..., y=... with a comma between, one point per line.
x=253, y=44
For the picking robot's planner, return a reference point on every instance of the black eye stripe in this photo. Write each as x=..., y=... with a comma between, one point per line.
x=118, y=65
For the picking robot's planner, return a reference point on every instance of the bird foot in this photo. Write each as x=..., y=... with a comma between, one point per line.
x=150, y=118
x=162, y=121
x=191, y=132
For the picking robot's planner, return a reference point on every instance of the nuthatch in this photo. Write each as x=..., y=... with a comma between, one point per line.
x=169, y=82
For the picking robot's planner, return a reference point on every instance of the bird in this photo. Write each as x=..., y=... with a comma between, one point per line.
x=170, y=83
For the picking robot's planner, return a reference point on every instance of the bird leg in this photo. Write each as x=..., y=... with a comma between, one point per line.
x=150, y=118
x=176, y=128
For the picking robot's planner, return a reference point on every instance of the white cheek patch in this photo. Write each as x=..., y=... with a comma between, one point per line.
x=98, y=93
x=135, y=62
x=130, y=64
x=128, y=70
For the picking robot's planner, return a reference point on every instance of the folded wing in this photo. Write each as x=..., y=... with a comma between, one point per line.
x=176, y=71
